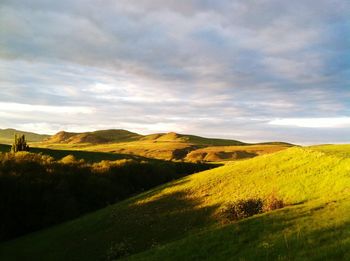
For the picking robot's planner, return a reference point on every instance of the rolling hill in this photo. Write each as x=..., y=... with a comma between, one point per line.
x=96, y=137
x=223, y=153
x=182, y=219
x=7, y=136
x=115, y=136
x=165, y=146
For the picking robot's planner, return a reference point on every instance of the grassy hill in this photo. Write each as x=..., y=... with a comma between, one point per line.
x=7, y=136
x=176, y=150
x=182, y=221
x=195, y=140
x=115, y=136
x=166, y=146
x=222, y=153
x=341, y=150
x=96, y=137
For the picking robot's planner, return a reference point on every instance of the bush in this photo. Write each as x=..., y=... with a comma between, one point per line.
x=69, y=159
x=249, y=207
x=20, y=144
x=117, y=250
x=242, y=209
x=272, y=203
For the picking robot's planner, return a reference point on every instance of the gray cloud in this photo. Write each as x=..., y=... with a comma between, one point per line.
x=204, y=67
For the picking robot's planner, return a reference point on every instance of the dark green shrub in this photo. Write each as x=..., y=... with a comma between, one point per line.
x=20, y=144
x=117, y=250
x=242, y=209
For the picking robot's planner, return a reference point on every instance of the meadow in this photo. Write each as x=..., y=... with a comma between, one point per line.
x=182, y=219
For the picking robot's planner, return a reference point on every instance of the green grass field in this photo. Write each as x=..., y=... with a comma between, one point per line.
x=181, y=220
x=341, y=150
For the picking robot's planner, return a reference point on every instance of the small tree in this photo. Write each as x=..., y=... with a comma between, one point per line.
x=20, y=144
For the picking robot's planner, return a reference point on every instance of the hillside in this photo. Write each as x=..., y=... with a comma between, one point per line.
x=195, y=140
x=181, y=220
x=223, y=153
x=115, y=136
x=165, y=146
x=176, y=150
x=7, y=136
x=96, y=137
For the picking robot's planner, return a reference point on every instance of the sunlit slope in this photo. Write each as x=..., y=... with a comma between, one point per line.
x=193, y=139
x=95, y=137
x=176, y=150
x=166, y=146
x=185, y=214
x=223, y=153
x=341, y=150
x=311, y=231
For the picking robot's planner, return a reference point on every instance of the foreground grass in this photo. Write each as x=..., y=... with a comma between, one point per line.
x=312, y=231
x=341, y=150
x=181, y=220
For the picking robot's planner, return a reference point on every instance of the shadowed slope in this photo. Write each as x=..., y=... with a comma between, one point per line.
x=315, y=231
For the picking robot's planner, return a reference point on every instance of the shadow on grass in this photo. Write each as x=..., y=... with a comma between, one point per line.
x=89, y=156
x=293, y=233
x=165, y=218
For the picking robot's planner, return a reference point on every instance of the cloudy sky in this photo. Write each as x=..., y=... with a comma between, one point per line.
x=249, y=70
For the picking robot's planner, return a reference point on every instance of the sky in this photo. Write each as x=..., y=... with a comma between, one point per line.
x=262, y=70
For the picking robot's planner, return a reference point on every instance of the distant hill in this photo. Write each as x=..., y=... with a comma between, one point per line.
x=7, y=136
x=197, y=140
x=182, y=220
x=95, y=137
x=165, y=146
x=115, y=136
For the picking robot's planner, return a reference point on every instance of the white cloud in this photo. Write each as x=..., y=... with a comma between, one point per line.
x=20, y=107
x=335, y=122
x=100, y=88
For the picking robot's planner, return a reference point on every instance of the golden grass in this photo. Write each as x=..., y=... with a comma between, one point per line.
x=173, y=150
x=222, y=153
